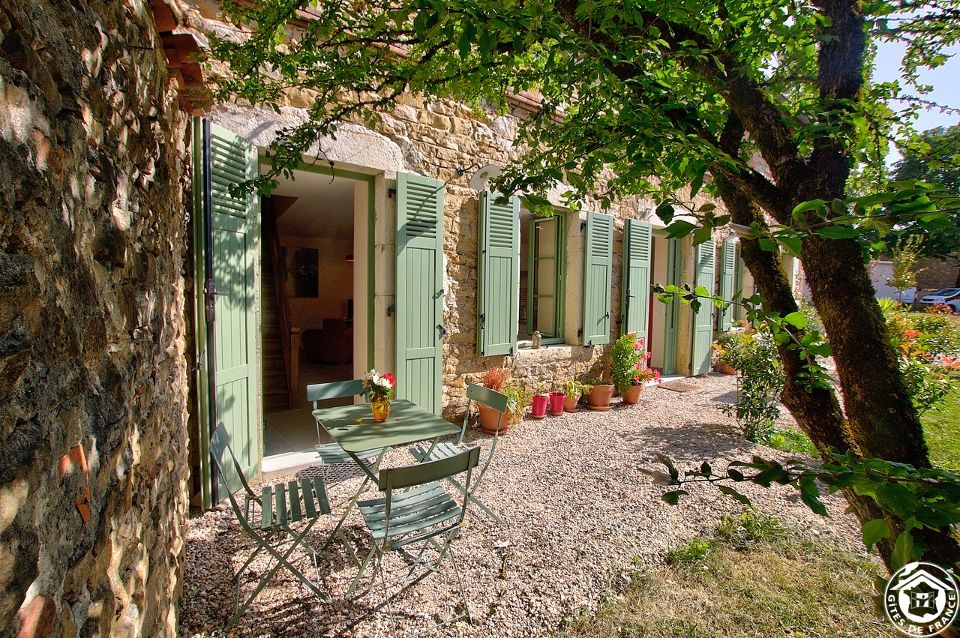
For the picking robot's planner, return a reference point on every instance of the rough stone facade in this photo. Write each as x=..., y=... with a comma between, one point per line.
x=434, y=139
x=934, y=274
x=93, y=372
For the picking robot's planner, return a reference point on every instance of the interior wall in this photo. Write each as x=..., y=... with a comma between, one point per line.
x=332, y=272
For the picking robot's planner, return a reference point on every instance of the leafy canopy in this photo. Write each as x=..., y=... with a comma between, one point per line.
x=626, y=90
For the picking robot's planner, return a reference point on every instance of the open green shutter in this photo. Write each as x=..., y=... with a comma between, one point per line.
x=420, y=290
x=637, y=238
x=728, y=266
x=597, y=271
x=738, y=282
x=233, y=232
x=705, y=258
x=498, y=305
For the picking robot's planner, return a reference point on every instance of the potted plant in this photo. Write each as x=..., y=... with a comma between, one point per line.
x=495, y=379
x=573, y=390
x=723, y=353
x=630, y=372
x=538, y=405
x=557, y=399
x=378, y=388
x=517, y=403
x=601, y=391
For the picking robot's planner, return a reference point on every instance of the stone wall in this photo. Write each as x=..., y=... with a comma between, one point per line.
x=434, y=139
x=93, y=373
x=934, y=274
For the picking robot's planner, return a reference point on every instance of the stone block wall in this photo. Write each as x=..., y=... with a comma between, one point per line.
x=93, y=372
x=934, y=274
x=434, y=139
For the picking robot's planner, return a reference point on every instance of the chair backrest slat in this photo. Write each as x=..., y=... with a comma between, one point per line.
x=412, y=475
x=334, y=390
x=490, y=398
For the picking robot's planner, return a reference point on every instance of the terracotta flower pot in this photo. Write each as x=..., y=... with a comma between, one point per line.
x=538, y=409
x=557, y=400
x=490, y=418
x=599, y=397
x=632, y=394
x=570, y=403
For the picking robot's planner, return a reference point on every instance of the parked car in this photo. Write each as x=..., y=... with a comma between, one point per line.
x=905, y=297
x=948, y=296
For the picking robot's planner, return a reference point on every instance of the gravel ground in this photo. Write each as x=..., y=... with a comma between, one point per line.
x=579, y=513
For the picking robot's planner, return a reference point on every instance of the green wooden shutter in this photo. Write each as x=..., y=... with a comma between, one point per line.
x=704, y=268
x=738, y=282
x=637, y=238
x=597, y=271
x=728, y=266
x=420, y=290
x=233, y=160
x=498, y=304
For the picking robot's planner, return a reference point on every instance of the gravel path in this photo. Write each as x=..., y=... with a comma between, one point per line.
x=579, y=512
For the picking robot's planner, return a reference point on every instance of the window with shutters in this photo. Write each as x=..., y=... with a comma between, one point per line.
x=542, y=261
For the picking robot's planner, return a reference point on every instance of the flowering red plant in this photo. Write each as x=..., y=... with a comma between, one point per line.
x=378, y=386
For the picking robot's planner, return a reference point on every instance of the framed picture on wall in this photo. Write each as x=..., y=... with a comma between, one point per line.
x=304, y=272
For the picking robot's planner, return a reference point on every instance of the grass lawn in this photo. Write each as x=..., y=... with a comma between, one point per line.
x=941, y=427
x=752, y=579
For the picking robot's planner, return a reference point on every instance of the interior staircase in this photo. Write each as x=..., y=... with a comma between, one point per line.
x=276, y=394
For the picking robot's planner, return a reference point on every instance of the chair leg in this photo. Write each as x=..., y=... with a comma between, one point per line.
x=282, y=560
x=473, y=499
x=363, y=566
x=463, y=592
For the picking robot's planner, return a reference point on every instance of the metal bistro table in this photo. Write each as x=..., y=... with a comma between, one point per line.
x=353, y=428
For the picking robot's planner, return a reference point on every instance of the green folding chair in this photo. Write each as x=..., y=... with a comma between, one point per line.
x=416, y=510
x=436, y=451
x=332, y=453
x=266, y=518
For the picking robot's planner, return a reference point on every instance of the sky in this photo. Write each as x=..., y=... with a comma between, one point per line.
x=945, y=81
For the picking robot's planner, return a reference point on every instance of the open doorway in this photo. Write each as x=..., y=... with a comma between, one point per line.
x=312, y=227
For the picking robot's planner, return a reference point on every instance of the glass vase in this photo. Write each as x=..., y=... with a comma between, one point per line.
x=380, y=409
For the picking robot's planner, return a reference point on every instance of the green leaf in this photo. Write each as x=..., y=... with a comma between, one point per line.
x=729, y=491
x=792, y=243
x=680, y=228
x=903, y=550
x=874, y=531
x=814, y=204
x=767, y=245
x=810, y=494
x=702, y=235
x=838, y=232
x=673, y=497
x=797, y=320
x=466, y=38
x=665, y=212
x=736, y=475
x=705, y=469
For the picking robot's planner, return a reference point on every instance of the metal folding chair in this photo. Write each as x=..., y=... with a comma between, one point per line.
x=266, y=518
x=416, y=510
x=332, y=453
x=490, y=398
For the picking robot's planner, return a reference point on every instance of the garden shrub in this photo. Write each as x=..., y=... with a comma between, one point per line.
x=759, y=385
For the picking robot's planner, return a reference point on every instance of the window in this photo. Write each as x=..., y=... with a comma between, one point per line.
x=542, y=258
